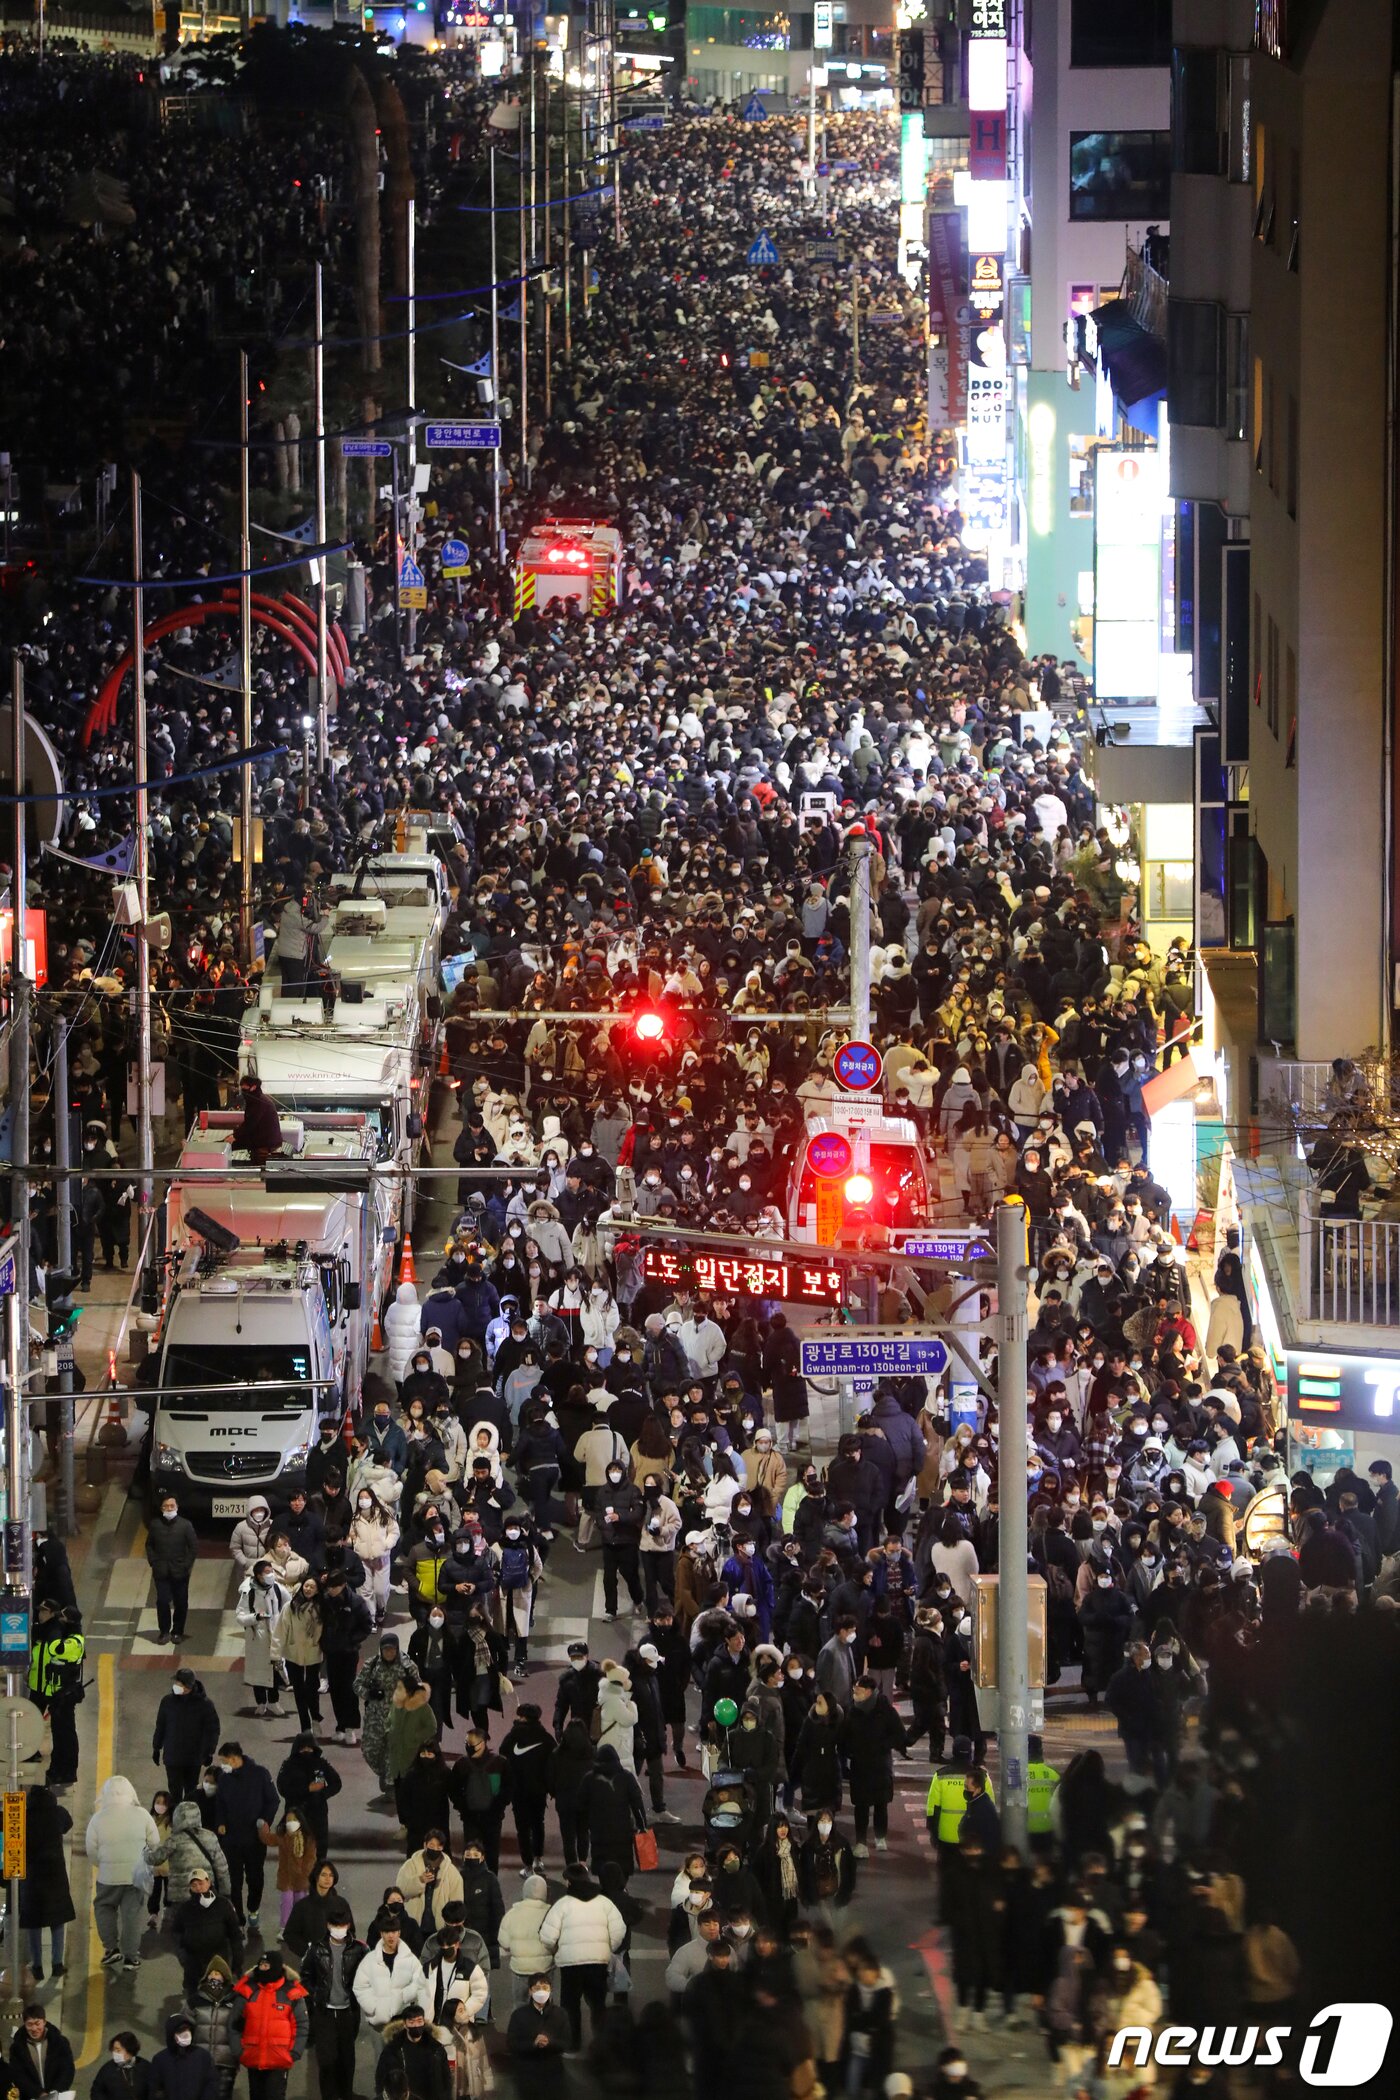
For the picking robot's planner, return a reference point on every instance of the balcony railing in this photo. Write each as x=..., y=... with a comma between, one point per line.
x=1146, y=291
x=1349, y=1268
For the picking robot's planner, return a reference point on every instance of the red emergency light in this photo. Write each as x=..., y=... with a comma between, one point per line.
x=566, y=557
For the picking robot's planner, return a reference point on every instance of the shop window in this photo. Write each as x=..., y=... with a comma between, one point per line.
x=1198, y=142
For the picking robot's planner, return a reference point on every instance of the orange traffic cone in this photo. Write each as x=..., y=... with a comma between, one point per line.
x=407, y=1272
x=376, y=1338
x=1176, y=1229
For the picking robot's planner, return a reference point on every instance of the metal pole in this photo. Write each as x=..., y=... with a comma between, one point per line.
x=548, y=260
x=412, y=404
x=17, y=1431
x=861, y=849
x=855, y=318
x=1013, y=1596
x=245, y=668
x=145, y=1135
x=568, y=239
x=63, y=1246
x=495, y=370
x=398, y=555
x=523, y=295
x=812, y=111
x=322, y=663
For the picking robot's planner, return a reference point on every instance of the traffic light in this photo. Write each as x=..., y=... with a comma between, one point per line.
x=58, y=1301
x=860, y=1192
x=649, y=1027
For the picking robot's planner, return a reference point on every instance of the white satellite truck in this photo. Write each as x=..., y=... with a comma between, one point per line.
x=269, y=1309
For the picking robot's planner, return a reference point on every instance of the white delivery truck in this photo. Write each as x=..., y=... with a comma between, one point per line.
x=403, y=896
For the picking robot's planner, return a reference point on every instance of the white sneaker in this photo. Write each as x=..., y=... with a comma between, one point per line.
x=664, y=1815
x=860, y=1851
x=882, y=1844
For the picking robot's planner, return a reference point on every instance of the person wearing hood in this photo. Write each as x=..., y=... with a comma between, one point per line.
x=186, y=1734
x=403, y=1329
x=610, y=1800
x=526, y=1750
x=272, y=2025
x=183, y=2069
x=518, y=1939
x=119, y=1835
x=191, y=1845
x=412, y=1724
x=308, y=1782
x=583, y=1931
x=209, y=2008
x=248, y=1543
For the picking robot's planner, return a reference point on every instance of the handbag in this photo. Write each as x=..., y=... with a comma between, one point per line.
x=647, y=1851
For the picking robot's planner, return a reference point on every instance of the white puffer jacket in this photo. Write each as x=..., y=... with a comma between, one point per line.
x=519, y=1936
x=403, y=1330
x=581, y=1929
x=118, y=1833
x=617, y=1711
x=383, y=1989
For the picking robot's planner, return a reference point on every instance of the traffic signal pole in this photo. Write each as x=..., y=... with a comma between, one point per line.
x=17, y=1564
x=1013, y=1590
x=63, y=1242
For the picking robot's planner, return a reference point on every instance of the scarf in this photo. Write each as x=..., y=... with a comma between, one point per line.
x=481, y=1651
x=787, y=1870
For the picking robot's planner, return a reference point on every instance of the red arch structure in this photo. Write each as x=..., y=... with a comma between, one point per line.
x=288, y=617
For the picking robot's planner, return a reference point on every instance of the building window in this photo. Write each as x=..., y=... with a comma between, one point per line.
x=1290, y=457
x=1195, y=362
x=1120, y=32
x=1119, y=174
x=1256, y=647
x=1295, y=209
x=1271, y=681
x=1236, y=403
x=1257, y=422
x=1290, y=704
x=1264, y=201
x=1239, y=118
x=1198, y=142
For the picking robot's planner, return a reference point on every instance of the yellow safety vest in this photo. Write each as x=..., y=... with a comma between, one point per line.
x=947, y=1803
x=1041, y=1782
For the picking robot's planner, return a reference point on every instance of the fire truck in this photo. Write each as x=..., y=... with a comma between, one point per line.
x=562, y=558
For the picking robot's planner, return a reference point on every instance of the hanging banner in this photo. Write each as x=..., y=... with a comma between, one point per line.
x=947, y=305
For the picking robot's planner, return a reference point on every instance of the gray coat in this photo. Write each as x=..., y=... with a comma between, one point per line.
x=189, y=1846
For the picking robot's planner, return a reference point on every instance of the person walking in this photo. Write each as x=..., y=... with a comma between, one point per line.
x=245, y=1809
x=297, y=1648
x=205, y=1928
x=272, y=2027
x=583, y=1931
x=328, y=1970
x=172, y=1548
x=262, y=1599
x=186, y=1733
x=119, y=1833
x=182, y=2070
x=209, y=2009
x=126, y=2075
x=188, y=1845
x=871, y=1737
x=56, y=1685
x=346, y=1623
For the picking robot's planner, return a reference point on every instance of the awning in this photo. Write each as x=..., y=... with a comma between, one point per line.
x=1136, y=362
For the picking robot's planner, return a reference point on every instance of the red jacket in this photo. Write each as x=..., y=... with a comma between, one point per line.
x=273, y=2022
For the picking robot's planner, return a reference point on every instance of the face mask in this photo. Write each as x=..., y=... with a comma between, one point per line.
x=183, y=2041
x=292, y=1825
x=539, y=1997
x=1053, y=1421
x=339, y=1932
x=179, y=1690
x=1105, y=1582
x=119, y=2056
x=1163, y=1662
x=170, y=1515
x=824, y=1828
x=435, y=1618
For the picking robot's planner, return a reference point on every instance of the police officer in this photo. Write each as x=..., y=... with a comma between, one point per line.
x=56, y=1684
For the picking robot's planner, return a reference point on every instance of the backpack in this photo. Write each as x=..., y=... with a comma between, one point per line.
x=1059, y=1588
x=515, y=1567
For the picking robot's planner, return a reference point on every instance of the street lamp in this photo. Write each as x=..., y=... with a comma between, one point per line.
x=308, y=724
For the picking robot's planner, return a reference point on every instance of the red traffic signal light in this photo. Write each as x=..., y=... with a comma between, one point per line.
x=649, y=1027
x=860, y=1191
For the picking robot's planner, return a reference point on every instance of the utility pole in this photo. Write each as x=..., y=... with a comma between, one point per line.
x=862, y=847
x=548, y=260
x=17, y=1577
x=145, y=1135
x=855, y=318
x=323, y=736
x=412, y=545
x=63, y=1244
x=1013, y=1593
x=245, y=672
x=568, y=238
x=497, y=541
x=523, y=289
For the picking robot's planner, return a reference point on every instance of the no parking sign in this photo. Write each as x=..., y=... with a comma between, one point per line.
x=858, y=1066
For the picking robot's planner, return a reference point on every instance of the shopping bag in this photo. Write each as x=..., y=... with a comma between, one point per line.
x=648, y=1854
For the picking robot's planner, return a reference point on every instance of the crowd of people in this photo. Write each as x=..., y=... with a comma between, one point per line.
x=656, y=807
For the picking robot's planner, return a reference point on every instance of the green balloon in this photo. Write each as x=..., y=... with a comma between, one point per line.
x=726, y=1712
